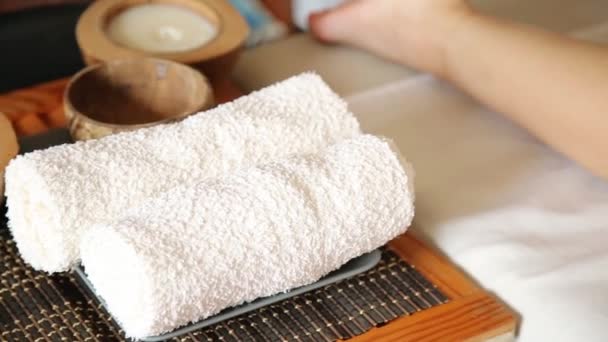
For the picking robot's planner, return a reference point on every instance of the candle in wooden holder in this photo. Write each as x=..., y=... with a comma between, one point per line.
x=161, y=28
x=205, y=34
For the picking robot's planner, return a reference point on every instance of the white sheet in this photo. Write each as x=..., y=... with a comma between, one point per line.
x=524, y=221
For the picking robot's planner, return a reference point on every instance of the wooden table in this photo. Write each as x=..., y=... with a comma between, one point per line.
x=472, y=314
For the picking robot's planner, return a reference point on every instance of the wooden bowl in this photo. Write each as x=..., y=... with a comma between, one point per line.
x=124, y=95
x=215, y=59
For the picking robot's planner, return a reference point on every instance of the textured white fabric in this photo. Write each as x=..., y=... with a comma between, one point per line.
x=55, y=194
x=199, y=248
x=524, y=221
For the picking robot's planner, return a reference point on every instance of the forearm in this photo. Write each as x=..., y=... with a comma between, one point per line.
x=555, y=87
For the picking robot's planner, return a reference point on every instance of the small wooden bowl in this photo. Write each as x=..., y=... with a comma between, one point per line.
x=125, y=95
x=215, y=59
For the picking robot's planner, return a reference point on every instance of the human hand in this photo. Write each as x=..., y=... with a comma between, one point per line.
x=412, y=32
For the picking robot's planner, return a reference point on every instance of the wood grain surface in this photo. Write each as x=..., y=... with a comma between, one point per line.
x=472, y=314
x=37, y=109
x=476, y=317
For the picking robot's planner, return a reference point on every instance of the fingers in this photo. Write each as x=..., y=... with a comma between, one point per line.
x=338, y=24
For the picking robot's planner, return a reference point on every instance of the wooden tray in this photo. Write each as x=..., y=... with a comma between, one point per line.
x=38, y=307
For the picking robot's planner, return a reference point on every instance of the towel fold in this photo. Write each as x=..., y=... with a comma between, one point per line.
x=56, y=194
x=199, y=248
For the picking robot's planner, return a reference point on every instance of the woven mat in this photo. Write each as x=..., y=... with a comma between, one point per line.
x=38, y=307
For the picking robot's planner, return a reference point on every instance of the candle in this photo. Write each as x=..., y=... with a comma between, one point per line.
x=160, y=28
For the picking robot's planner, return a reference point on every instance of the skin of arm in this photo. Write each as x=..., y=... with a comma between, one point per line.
x=554, y=86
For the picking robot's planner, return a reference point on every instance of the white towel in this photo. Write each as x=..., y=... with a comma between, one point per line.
x=56, y=194
x=200, y=248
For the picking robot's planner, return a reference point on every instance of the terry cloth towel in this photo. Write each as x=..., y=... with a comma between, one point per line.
x=199, y=248
x=56, y=194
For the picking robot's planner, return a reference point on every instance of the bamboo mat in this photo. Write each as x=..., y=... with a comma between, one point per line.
x=38, y=307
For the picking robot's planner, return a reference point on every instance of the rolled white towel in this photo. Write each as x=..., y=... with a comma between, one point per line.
x=200, y=248
x=56, y=194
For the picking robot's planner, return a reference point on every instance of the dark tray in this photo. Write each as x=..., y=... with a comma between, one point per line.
x=355, y=266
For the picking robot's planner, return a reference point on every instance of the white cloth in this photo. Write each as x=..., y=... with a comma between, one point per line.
x=202, y=247
x=56, y=194
x=524, y=221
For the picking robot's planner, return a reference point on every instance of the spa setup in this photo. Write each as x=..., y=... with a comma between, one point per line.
x=209, y=170
x=174, y=216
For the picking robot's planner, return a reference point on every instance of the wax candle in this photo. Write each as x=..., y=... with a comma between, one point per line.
x=160, y=28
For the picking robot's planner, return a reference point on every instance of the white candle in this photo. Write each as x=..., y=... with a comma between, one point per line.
x=160, y=28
